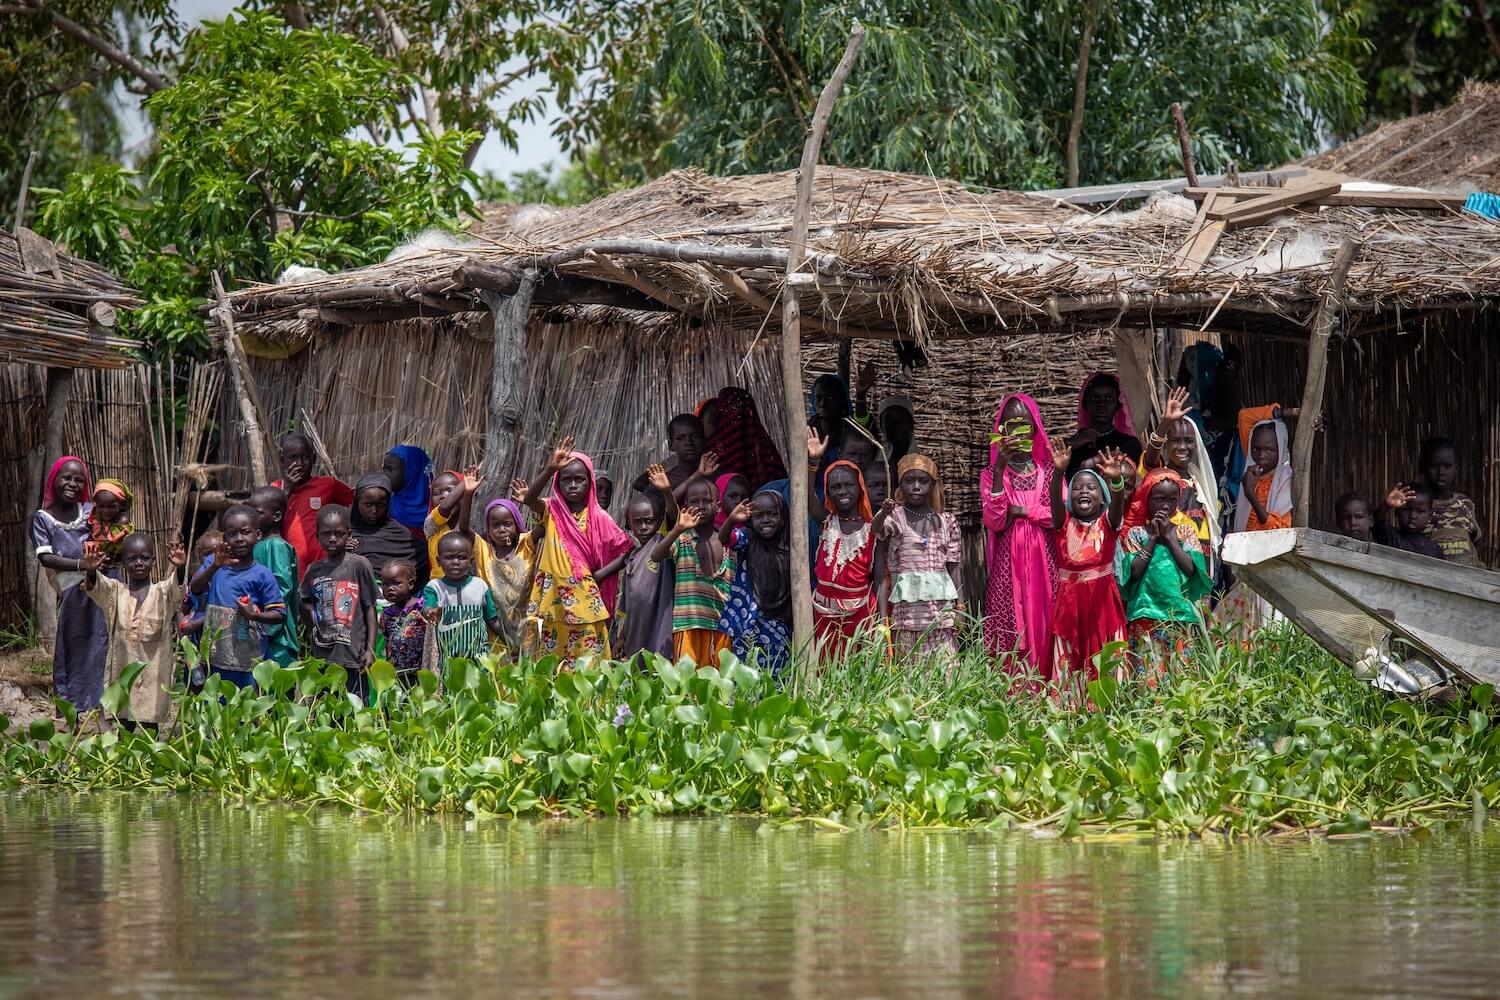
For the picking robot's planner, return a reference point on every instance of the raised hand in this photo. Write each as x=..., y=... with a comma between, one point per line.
x=689, y=518
x=472, y=478
x=177, y=555
x=221, y=552
x=1110, y=463
x=562, y=454
x=708, y=464
x=93, y=558
x=1399, y=496
x=1061, y=455
x=656, y=475
x=865, y=381
x=1177, y=407
x=518, y=488
x=817, y=445
x=741, y=512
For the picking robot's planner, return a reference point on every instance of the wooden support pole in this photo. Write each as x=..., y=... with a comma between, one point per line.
x=1324, y=321
x=20, y=219
x=1183, y=140
x=239, y=374
x=507, y=395
x=791, y=345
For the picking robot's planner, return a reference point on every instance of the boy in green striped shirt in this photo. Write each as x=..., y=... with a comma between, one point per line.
x=702, y=569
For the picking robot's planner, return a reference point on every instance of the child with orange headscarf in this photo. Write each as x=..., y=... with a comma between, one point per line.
x=925, y=550
x=848, y=561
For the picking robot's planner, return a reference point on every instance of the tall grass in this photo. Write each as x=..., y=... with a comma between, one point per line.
x=1271, y=737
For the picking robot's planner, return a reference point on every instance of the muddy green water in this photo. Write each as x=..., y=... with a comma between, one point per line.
x=144, y=896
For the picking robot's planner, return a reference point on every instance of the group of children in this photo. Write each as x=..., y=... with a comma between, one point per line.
x=1091, y=541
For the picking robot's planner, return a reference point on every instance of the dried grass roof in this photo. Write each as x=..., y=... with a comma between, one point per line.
x=894, y=255
x=1454, y=149
x=59, y=310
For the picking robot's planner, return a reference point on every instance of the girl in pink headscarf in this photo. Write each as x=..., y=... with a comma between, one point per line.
x=579, y=539
x=1021, y=545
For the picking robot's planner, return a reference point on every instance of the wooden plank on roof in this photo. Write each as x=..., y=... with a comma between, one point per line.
x=1202, y=238
x=1415, y=200
x=38, y=255
x=1257, y=210
x=1103, y=194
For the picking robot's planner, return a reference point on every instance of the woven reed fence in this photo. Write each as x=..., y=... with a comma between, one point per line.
x=1386, y=394
x=22, y=409
x=365, y=389
x=128, y=423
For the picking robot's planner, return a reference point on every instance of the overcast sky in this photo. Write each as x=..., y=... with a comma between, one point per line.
x=537, y=146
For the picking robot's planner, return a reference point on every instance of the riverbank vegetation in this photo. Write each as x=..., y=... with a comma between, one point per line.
x=1275, y=738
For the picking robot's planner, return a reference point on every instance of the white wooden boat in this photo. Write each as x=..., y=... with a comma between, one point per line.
x=1374, y=607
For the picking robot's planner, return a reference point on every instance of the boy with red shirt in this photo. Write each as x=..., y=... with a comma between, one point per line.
x=306, y=494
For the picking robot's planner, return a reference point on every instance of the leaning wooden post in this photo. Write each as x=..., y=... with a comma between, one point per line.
x=502, y=442
x=239, y=374
x=1324, y=321
x=791, y=345
x=1183, y=140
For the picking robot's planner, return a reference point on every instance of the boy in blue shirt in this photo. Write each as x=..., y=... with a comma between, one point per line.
x=243, y=598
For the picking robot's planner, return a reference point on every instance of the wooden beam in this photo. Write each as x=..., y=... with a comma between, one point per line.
x=1104, y=194
x=1312, y=389
x=239, y=371
x=1202, y=238
x=791, y=346
x=506, y=393
x=1413, y=200
x=1254, y=211
x=555, y=289
x=1185, y=143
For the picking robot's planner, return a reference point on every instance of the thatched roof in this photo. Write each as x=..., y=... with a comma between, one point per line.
x=56, y=309
x=1454, y=149
x=900, y=256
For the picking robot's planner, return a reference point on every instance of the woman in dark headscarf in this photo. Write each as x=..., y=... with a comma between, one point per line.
x=740, y=440
x=380, y=536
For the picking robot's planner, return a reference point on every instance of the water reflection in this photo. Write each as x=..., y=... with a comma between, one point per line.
x=157, y=895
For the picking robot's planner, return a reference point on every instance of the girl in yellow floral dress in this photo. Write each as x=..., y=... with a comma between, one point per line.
x=579, y=538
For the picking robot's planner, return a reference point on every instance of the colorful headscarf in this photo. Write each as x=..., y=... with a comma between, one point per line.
x=49, y=487
x=591, y=548
x=1102, y=484
x=110, y=537
x=1041, y=444
x=720, y=486
x=411, y=503
x=859, y=478
x=1279, y=500
x=927, y=465
x=1135, y=514
x=508, y=504
x=741, y=442
x=1122, y=422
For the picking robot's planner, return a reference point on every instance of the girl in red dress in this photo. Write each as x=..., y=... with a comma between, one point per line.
x=848, y=559
x=1087, y=613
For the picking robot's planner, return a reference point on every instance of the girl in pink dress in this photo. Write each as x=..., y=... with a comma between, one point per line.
x=1021, y=544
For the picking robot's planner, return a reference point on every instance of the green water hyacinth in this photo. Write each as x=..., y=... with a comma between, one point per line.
x=1272, y=738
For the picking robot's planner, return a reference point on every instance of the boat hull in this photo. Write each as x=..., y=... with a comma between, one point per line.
x=1352, y=597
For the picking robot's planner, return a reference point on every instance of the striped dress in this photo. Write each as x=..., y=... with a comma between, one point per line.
x=461, y=629
x=698, y=601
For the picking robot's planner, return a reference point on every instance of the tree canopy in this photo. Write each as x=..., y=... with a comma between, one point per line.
x=256, y=166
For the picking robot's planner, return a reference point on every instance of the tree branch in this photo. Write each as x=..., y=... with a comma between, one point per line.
x=399, y=44
x=1483, y=14
x=154, y=81
x=1080, y=90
